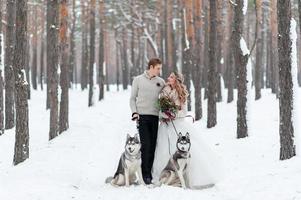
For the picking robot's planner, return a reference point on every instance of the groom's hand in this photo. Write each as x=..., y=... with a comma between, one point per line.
x=135, y=116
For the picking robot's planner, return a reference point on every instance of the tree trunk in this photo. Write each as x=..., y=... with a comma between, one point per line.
x=125, y=71
x=52, y=64
x=241, y=63
x=212, y=75
x=8, y=65
x=101, y=50
x=274, y=51
x=27, y=69
x=1, y=75
x=206, y=47
x=163, y=36
x=92, y=52
x=84, y=49
x=64, y=76
x=134, y=68
x=22, y=131
x=286, y=130
x=259, y=50
x=198, y=60
x=118, y=63
x=229, y=56
x=268, y=54
x=219, y=53
x=34, y=67
x=72, y=60
x=188, y=43
x=299, y=71
x=169, y=42
x=42, y=57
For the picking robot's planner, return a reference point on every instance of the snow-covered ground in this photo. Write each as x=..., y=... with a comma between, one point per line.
x=75, y=164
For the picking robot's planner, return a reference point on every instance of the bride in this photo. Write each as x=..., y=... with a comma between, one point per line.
x=203, y=168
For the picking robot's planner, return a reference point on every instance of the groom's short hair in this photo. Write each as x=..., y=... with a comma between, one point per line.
x=153, y=62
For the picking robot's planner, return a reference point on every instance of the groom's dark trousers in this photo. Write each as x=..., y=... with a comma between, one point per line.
x=148, y=131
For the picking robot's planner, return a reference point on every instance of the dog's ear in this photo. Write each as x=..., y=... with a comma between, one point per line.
x=187, y=135
x=137, y=137
x=128, y=136
x=180, y=134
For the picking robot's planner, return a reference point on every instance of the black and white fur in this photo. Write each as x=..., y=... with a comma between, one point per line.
x=129, y=167
x=175, y=172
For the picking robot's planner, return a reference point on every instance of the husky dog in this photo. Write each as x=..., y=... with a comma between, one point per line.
x=129, y=164
x=175, y=173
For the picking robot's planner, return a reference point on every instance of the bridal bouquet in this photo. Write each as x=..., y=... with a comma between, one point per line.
x=168, y=108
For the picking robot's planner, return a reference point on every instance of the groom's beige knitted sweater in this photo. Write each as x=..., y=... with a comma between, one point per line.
x=144, y=94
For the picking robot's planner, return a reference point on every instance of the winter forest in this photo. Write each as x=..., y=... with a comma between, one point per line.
x=66, y=73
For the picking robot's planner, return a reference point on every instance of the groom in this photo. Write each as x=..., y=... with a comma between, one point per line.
x=144, y=95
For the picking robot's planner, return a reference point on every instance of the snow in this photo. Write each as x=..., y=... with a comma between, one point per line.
x=75, y=164
x=296, y=94
x=250, y=95
x=25, y=82
x=245, y=7
x=244, y=47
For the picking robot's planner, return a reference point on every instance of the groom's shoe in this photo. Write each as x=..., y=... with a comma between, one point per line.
x=147, y=180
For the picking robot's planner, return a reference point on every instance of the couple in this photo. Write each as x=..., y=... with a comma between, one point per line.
x=159, y=143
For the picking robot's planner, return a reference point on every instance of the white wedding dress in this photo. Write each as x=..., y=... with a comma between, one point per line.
x=204, y=167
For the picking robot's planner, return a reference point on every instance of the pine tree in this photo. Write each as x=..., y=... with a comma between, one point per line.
x=92, y=51
x=1, y=75
x=64, y=76
x=259, y=50
x=212, y=72
x=8, y=65
x=101, y=49
x=286, y=130
x=241, y=60
x=52, y=64
x=198, y=59
x=22, y=129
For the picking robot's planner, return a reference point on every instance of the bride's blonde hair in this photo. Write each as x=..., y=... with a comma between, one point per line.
x=180, y=87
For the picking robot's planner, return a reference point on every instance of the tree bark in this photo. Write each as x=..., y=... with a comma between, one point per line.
x=206, y=47
x=259, y=50
x=219, y=53
x=212, y=75
x=84, y=49
x=241, y=63
x=169, y=42
x=42, y=57
x=52, y=64
x=101, y=50
x=64, y=76
x=125, y=70
x=188, y=35
x=92, y=51
x=22, y=130
x=286, y=130
x=8, y=65
x=274, y=52
x=229, y=56
x=198, y=60
x=1, y=75
x=299, y=71
x=34, y=67
x=72, y=58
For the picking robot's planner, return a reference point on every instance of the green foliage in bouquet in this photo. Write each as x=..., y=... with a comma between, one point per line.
x=168, y=107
